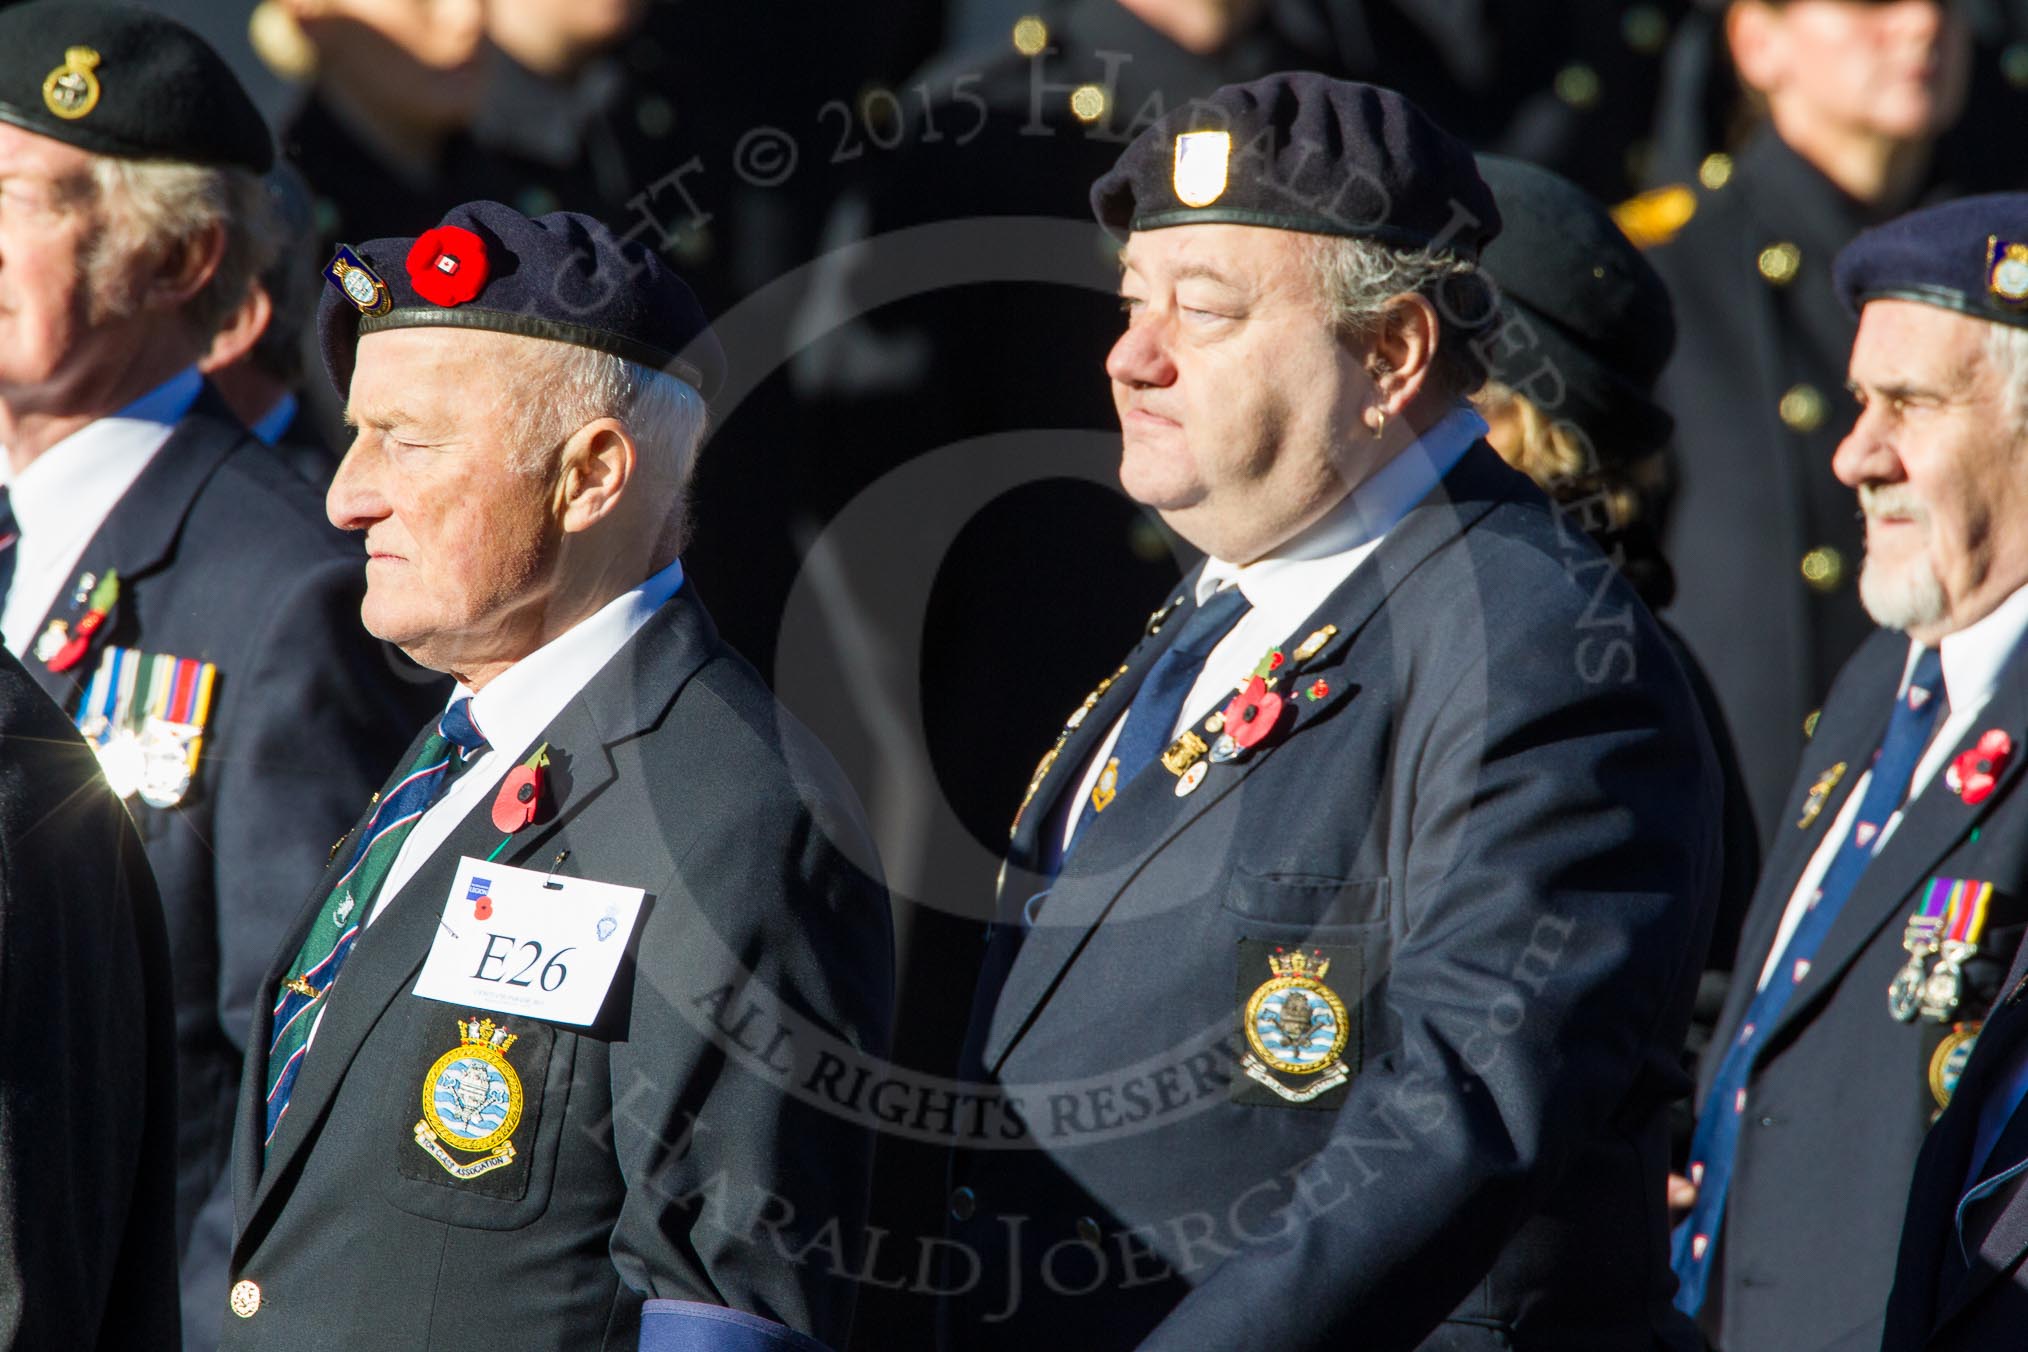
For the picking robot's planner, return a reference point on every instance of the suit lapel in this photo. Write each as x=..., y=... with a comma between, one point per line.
x=1147, y=814
x=1937, y=820
x=628, y=694
x=139, y=534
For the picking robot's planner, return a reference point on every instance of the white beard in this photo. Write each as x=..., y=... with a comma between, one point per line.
x=1904, y=598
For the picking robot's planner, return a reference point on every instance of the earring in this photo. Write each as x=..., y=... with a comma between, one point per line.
x=1380, y=427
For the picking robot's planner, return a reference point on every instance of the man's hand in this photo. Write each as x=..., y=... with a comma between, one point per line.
x=1682, y=1196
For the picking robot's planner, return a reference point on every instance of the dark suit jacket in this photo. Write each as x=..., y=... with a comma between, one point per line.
x=1840, y=1099
x=224, y=556
x=1959, y=1278
x=88, y=1078
x=1497, y=821
x=668, y=1151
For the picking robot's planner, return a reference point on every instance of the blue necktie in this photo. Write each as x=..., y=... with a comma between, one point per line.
x=1716, y=1141
x=1151, y=718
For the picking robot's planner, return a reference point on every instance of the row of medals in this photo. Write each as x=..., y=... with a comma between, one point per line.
x=153, y=761
x=1919, y=988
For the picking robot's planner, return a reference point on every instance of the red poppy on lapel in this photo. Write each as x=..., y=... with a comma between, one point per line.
x=520, y=796
x=1972, y=774
x=1253, y=713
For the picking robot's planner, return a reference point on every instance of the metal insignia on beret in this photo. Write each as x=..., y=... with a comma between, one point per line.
x=1201, y=159
x=72, y=90
x=2007, y=270
x=359, y=283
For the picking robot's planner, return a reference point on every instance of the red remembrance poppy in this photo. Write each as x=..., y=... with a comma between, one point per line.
x=1974, y=774
x=447, y=265
x=1253, y=713
x=519, y=798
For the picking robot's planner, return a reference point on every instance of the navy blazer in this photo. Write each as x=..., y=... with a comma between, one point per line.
x=1493, y=811
x=1960, y=1282
x=664, y=1152
x=1840, y=1098
x=224, y=556
x=88, y=1074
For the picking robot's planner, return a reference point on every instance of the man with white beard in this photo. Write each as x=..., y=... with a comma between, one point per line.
x=1894, y=894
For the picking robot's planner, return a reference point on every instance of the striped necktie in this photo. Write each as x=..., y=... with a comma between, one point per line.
x=455, y=744
x=10, y=536
x=1715, y=1144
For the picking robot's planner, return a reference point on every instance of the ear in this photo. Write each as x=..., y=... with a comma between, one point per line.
x=1753, y=31
x=1403, y=352
x=184, y=270
x=593, y=472
x=242, y=329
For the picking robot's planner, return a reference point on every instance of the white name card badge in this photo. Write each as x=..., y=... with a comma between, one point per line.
x=521, y=942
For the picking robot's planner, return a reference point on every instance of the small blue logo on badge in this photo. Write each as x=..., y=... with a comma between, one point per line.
x=480, y=887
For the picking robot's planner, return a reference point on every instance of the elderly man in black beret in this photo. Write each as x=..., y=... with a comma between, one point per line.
x=161, y=577
x=543, y=1030
x=1348, y=933
x=1892, y=904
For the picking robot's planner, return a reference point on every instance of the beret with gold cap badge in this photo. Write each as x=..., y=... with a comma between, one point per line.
x=1308, y=153
x=1968, y=255
x=563, y=277
x=117, y=80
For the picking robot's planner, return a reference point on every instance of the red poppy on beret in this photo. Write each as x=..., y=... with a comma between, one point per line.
x=447, y=265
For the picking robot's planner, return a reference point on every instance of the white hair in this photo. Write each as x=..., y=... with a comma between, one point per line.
x=2007, y=351
x=1359, y=276
x=152, y=208
x=665, y=416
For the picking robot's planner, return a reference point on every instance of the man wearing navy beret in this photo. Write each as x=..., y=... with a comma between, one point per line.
x=1891, y=901
x=1920, y=986
x=162, y=576
x=535, y=1050
x=1349, y=931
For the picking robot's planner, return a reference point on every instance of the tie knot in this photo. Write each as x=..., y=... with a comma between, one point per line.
x=458, y=728
x=1925, y=681
x=1209, y=623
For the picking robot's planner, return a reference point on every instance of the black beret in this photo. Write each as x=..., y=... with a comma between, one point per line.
x=1302, y=152
x=120, y=81
x=563, y=277
x=1970, y=255
x=1594, y=311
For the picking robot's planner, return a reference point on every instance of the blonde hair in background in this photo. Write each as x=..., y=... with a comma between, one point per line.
x=152, y=208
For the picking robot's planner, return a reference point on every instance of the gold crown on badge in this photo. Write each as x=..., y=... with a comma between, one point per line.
x=1300, y=965
x=485, y=1033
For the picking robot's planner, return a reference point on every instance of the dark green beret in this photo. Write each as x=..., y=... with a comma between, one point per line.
x=121, y=81
x=1308, y=153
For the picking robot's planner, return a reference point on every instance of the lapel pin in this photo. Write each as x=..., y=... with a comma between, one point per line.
x=1314, y=644
x=520, y=796
x=1191, y=778
x=1820, y=794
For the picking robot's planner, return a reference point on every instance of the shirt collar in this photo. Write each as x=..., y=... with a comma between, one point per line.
x=1366, y=514
x=275, y=421
x=521, y=701
x=1975, y=655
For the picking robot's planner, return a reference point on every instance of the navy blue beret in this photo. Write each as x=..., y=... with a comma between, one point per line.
x=1970, y=255
x=1303, y=152
x=563, y=277
x=1595, y=311
x=121, y=81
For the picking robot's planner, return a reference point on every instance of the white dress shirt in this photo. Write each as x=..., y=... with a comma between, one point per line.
x=1286, y=586
x=68, y=491
x=517, y=705
x=1973, y=659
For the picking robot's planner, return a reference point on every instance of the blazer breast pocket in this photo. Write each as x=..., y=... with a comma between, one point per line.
x=1306, y=902
x=472, y=1111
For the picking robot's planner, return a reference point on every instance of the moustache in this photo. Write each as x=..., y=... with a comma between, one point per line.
x=1895, y=500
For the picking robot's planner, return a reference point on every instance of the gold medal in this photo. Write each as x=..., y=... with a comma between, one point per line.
x=1947, y=1064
